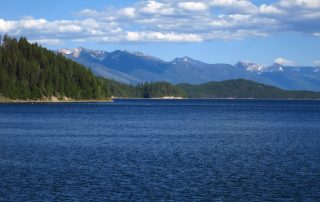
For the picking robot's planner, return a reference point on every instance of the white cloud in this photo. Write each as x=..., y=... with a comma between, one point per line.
x=154, y=7
x=7, y=26
x=241, y=22
x=62, y=28
x=176, y=21
x=158, y=36
x=233, y=35
x=238, y=5
x=133, y=36
x=270, y=9
x=193, y=6
x=31, y=23
x=226, y=3
x=47, y=41
x=283, y=61
x=310, y=4
x=128, y=12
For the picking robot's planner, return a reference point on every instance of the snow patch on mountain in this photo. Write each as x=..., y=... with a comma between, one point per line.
x=258, y=68
x=251, y=67
x=98, y=54
x=187, y=60
x=65, y=51
x=76, y=52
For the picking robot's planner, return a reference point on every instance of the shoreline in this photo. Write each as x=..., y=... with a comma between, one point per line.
x=50, y=101
x=8, y=101
x=121, y=98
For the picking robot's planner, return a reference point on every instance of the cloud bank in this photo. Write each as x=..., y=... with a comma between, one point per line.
x=174, y=21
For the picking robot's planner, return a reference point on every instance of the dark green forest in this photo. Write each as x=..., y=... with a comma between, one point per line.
x=143, y=90
x=241, y=88
x=31, y=72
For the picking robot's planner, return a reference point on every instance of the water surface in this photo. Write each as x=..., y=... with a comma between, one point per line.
x=181, y=150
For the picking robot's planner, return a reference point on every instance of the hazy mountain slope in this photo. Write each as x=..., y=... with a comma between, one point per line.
x=135, y=67
x=296, y=78
x=105, y=72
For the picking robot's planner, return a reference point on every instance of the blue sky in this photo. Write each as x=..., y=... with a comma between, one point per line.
x=214, y=31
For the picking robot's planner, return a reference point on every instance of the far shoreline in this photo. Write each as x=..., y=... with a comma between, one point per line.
x=120, y=98
x=8, y=101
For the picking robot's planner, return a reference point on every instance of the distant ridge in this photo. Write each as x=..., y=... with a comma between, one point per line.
x=242, y=88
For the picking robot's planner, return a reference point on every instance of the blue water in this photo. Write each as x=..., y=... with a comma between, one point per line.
x=146, y=150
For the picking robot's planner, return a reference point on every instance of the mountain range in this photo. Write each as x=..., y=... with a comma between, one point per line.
x=136, y=67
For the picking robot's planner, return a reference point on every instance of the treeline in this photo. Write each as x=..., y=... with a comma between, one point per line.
x=144, y=90
x=29, y=71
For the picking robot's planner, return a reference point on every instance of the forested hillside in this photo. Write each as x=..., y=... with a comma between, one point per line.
x=29, y=71
x=241, y=88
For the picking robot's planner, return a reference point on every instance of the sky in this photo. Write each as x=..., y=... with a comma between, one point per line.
x=214, y=31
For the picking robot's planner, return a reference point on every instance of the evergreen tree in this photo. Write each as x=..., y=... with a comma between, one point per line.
x=29, y=71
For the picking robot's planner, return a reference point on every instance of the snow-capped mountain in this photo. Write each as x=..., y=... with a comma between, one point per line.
x=258, y=68
x=252, y=67
x=135, y=67
x=76, y=52
x=187, y=61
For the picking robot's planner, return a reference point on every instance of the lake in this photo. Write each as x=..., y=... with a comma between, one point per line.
x=169, y=150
